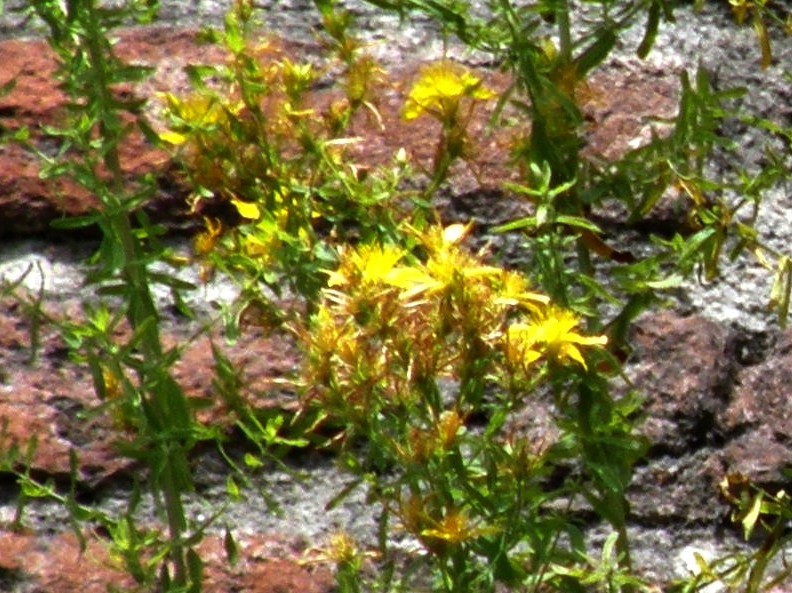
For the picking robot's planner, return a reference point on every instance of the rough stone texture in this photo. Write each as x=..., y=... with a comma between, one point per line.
x=57, y=564
x=759, y=417
x=716, y=403
x=678, y=490
x=683, y=368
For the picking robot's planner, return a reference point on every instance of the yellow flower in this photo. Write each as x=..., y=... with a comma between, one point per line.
x=440, y=89
x=340, y=550
x=552, y=335
x=455, y=528
x=446, y=264
x=199, y=110
x=247, y=210
x=412, y=281
x=368, y=264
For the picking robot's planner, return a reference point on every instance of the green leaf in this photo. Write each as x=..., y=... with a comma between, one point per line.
x=76, y=222
x=8, y=86
x=234, y=39
x=252, y=461
x=764, y=40
x=781, y=292
x=233, y=489
x=343, y=494
x=516, y=225
x=171, y=281
x=195, y=569
x=595, y=53
x=231, y=547
x=578, y=222
x=671, y=281
x=198, y=74
x=650, y=34
x=696, y=243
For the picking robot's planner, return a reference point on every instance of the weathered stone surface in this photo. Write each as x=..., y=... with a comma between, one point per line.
x=681, y=366
x=56, y=564
x=623, y=105
x=678, y=490
x=758, y=419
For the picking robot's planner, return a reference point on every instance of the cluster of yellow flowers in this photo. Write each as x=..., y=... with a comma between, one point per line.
x=441, y=89
x=448, y=93
x=387, y=320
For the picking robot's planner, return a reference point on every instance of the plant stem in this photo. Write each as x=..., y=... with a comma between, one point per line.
x=165, y=410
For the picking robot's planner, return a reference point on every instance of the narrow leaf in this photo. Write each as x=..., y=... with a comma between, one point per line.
x=650, y=34
x=231, y=547
x=750, y=519
x=595, y=53
x=764, y=41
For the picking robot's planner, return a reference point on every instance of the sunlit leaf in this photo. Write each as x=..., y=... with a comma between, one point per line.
x=752, y=516
x=247, y=209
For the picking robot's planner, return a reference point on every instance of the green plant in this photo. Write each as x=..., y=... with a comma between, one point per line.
x=383, y=381
x=759, y=514
x=423, y=358
x=418, y=351
x=132, y=374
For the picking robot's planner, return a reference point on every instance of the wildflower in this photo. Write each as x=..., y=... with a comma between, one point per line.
x=446, y=264
x=297, y=78
x=340, y=550
x=369, y=264
x=440, y=90
x=195, y=111
x=247, y=210
x=513, y=291
x=456, y=528
x=552, y=336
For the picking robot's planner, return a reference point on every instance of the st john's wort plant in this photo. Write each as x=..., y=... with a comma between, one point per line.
x=417, y=358
x=448, y=93
x=566, y=246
